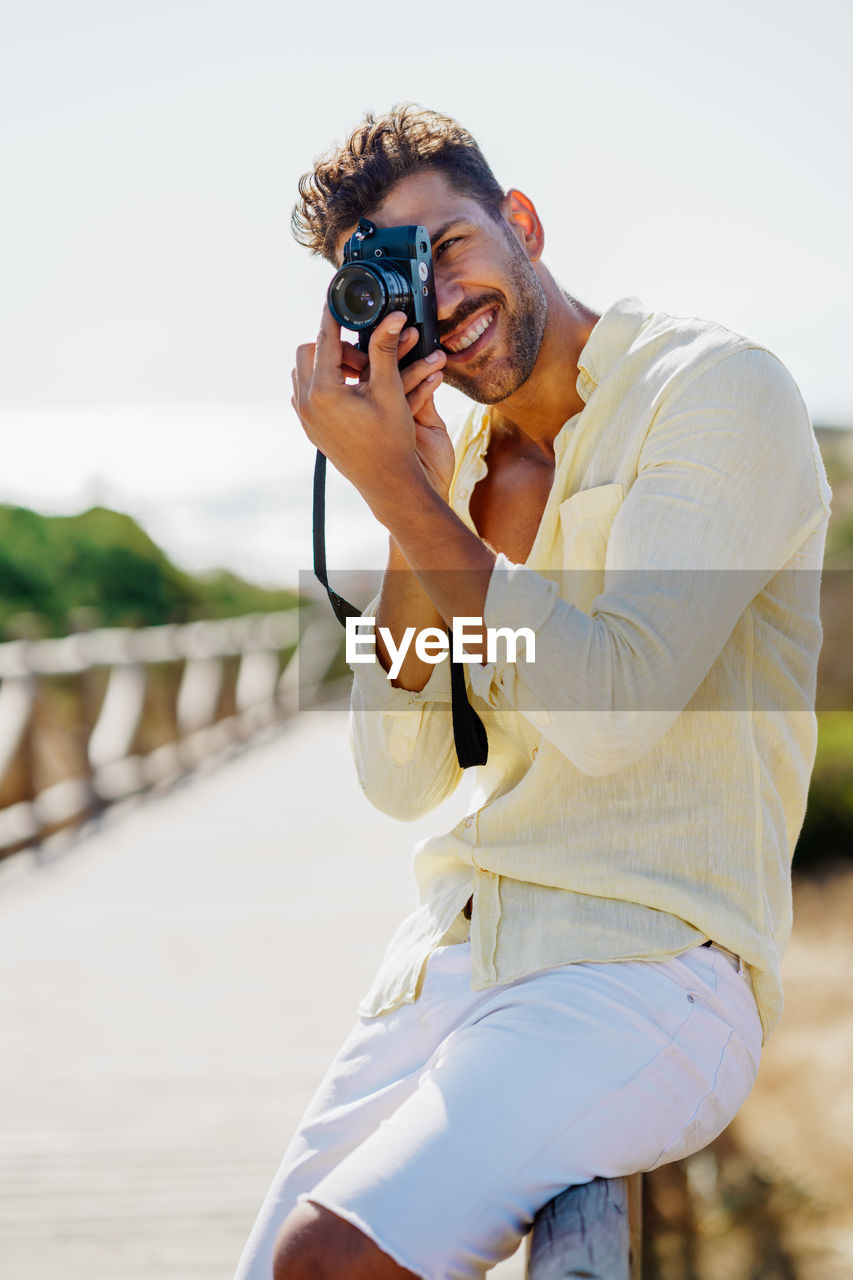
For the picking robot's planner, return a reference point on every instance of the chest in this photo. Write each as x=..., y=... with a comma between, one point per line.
x=507, y=504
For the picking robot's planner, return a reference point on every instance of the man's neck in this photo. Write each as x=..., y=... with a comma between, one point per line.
x=541, y=407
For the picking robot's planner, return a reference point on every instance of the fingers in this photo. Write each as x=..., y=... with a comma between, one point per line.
x=353, y=358
x=415, y=374
x=330, y=360
x=357, y=364
x=328, y=350
x=354, y=363
x=423, y=393
x=304, y=370
x=408, y=339
x=384, y=349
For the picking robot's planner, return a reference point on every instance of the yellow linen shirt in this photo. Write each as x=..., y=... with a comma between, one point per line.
x=648, y=772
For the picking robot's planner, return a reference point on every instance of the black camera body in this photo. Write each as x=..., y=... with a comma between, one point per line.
x=387, y=269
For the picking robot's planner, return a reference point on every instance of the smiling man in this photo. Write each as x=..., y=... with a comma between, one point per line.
x=593, y=966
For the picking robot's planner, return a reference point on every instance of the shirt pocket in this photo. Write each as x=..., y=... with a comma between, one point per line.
x=585, y=521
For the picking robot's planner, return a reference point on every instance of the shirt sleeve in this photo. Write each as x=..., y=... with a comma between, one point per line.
x=728, y=487
x=402, y=740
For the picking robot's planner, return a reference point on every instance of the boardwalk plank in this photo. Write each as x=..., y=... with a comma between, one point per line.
x=174, y=986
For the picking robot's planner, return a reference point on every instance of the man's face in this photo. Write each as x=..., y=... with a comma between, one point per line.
x=491, y=305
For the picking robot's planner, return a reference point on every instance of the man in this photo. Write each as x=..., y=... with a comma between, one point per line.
x=586, y=984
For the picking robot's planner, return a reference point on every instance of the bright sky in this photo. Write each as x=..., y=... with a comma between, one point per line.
x=151, y=299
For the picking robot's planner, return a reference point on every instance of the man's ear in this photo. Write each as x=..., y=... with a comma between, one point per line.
x=520, y=212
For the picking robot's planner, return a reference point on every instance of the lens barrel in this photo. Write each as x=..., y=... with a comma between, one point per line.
x=361, y=293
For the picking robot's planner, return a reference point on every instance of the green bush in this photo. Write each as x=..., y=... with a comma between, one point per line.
x=101, y=561
x=827, y=834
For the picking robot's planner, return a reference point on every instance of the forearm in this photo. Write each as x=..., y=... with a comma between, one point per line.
x=449, y=568
x=403, y=603
x=401, y=730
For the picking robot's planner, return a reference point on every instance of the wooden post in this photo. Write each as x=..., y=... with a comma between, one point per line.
x=590, y=1231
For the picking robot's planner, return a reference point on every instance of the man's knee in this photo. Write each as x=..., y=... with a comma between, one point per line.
x=315, y=1244
x=307, y=1244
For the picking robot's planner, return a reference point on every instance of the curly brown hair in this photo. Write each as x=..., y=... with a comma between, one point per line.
x=350, y=180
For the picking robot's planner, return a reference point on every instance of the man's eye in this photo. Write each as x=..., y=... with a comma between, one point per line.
x=444, y=245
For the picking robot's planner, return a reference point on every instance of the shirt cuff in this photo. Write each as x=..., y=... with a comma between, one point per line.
x=379, y=694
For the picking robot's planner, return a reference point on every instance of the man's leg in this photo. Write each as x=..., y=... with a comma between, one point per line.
x=582, y=1071
x=589, y=1070
x=377, y=1068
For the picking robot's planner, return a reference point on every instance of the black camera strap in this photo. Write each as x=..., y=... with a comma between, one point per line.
x=469, y=734
x=342, y=608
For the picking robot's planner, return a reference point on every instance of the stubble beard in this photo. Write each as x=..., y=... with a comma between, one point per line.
x=524, y=328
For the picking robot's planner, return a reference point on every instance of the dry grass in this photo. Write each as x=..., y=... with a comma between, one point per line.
x=772, y=1199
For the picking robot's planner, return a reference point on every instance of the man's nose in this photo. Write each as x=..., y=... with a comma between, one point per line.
x=448, y=296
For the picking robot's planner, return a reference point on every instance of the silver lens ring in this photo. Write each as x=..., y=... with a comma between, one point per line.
x=362, y=293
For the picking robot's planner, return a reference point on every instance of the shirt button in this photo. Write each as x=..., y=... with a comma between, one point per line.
x=463, y=493
x=535, y=749
x=469, y=822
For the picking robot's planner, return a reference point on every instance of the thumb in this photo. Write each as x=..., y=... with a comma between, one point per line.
x=383, y=349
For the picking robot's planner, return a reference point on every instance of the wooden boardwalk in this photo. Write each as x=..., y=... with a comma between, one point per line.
x=174, y=984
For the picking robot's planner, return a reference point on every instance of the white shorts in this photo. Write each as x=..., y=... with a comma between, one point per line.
x=443, y=1126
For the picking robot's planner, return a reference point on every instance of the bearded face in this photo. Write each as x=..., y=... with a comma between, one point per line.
x=492, y=307
x=493, y=339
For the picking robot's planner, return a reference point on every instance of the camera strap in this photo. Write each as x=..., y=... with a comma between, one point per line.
x=469, y=733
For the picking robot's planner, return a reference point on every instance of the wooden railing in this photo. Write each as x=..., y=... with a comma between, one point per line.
x=91, y=718
x=591, y=1231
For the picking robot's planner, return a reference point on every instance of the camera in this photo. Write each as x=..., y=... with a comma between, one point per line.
x=386, y=269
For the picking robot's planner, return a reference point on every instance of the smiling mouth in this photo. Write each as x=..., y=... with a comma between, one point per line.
x=462, y=339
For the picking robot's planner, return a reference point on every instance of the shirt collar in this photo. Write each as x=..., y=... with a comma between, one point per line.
x=608, y=342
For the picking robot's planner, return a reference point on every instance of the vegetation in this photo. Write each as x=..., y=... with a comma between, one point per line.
x=827, y=835
x=101, y=568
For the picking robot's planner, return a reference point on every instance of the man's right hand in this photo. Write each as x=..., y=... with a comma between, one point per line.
x=420, y=382
x=404, y=601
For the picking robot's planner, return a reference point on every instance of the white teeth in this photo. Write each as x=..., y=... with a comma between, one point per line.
x=471, y=335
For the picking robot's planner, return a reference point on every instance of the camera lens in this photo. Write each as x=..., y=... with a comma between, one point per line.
x=362, y=293
x=361, y=298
